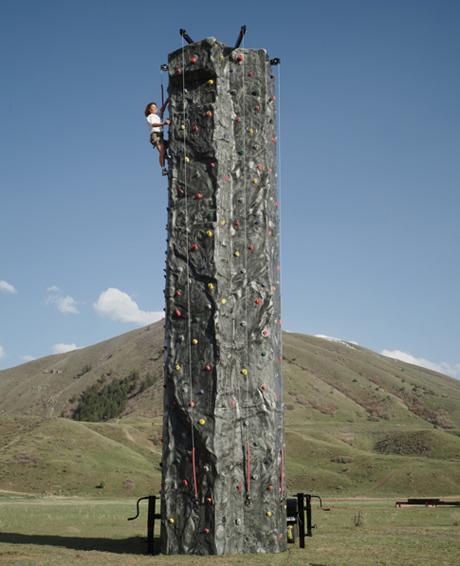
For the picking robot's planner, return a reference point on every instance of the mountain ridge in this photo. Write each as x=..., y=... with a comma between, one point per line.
x=356, y=422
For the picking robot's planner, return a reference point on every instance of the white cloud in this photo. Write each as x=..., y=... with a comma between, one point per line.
x=7, y=288
x=117, y=305
x=27, y=358
x=63, y=348
x=2, y=353
x=65, y=305
x=442, y=367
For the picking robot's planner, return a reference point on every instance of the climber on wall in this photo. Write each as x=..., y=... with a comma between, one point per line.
x=156, y=131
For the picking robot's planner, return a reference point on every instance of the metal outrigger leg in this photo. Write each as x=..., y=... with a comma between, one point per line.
x=150, y=520
x=298, y=526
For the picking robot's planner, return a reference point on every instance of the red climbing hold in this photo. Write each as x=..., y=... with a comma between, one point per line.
x=209, y=113
x=192, y=60
x=265, y=333
x=194, y=247
x=239, y=486
x=226, y=178
x=177, y=313
x=259, y=166
x=273, y=140
x=213, y=165
x=264, y=387
x=177, y=293
x=179, y=71
x=250, y=74
x=208, y=368
x=198, y=195
x=208, y=499
x=192, y=404
x=270, y=170
x=195, y=128
x=240, y=57
x=280, y=358
x=251, y=247
x=258, y=301
x=237, y=223
x=185, y=483
x=257, y=108
x=206, y=531
x=181, y=191
x=233, y=403
x=238, y=119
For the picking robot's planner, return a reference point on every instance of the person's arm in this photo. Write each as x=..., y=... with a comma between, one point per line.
x=159, y=124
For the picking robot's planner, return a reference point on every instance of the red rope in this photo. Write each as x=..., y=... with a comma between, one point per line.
x=282, y=471
x=249, y=468
x=194, y=470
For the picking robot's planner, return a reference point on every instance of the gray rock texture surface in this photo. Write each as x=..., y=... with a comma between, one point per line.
x=223, y=434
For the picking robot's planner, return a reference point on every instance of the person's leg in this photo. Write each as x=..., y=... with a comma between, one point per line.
x=161, y=149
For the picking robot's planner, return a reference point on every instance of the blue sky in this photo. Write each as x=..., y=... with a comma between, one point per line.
x=369, y=140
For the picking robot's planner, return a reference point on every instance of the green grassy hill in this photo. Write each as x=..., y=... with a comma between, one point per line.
x=357, y=423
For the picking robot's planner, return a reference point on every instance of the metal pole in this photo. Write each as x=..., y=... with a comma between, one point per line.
x=151, y=524
x=301, y=516
x=309, y=527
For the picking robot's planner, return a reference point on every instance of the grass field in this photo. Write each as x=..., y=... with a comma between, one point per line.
x=95, y=532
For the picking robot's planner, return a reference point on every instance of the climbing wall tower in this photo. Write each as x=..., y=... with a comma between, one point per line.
x=223, y=488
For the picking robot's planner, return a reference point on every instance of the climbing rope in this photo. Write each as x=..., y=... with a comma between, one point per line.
x=187, y=244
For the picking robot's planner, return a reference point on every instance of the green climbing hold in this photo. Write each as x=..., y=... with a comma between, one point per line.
x=264, y=353
x=241, y=152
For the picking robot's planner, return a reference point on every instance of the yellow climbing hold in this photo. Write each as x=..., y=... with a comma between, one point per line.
x=187, y=160
x=195, y=341
x=237, y=254
x=244, y=371
x=178, y=368
x=210, y=82
x=269, y=513
x=223, y=222
x=251, y=131
x=210, y=286
x=201, y=421
x=182, y=127
x=221, y=57
x=254, y=181
x=209, y=233
x=171, y=520
x=223, y=301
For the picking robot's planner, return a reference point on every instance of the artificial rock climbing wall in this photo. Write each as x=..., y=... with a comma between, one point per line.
x=223, y=489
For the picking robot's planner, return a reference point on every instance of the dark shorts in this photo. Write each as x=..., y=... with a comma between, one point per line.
x=156, y=138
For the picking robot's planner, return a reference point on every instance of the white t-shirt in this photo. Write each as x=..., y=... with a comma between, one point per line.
x=154, y=119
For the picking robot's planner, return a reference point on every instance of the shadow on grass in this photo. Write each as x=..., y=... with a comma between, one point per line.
x=133, y=545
